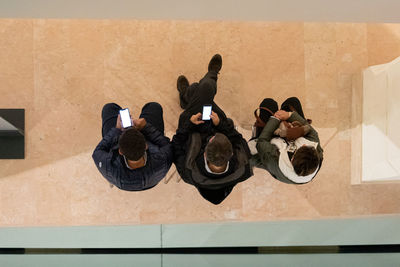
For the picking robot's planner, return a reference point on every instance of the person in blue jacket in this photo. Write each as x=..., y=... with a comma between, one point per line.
x=136, y=158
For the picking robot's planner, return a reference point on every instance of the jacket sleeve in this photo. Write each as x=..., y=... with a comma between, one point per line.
x=227, y=127
x=312, y=134
x=265, y=149
x=102, y=156
x=168, y=154
x=153, y=135
x=179, y=142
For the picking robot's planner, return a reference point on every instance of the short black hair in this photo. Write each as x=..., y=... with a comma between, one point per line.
x=305, y=160
x=219, y=150
x=132, y=144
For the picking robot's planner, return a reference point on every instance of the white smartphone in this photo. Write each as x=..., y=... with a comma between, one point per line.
x=206, y=112
x=125, y=118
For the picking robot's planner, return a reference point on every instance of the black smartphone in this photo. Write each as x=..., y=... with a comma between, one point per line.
x=125, y=118
x=206, y=113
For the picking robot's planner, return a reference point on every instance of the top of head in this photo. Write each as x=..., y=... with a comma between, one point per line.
x=132, y=144
x=219, y=150
x=305, y=161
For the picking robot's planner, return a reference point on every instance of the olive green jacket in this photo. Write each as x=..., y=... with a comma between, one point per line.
x=268, y=154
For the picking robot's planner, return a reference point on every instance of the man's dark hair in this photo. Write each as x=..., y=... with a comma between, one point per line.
x=219, y=150
x=305, y=160
x=132, y=144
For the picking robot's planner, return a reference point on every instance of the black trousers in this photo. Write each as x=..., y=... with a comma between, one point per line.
x=287, y=105
x=199, y=94
x=152, y=112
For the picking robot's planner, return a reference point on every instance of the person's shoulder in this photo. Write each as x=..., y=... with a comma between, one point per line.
x=155, y=149
x=151, y=146
x=156, y=160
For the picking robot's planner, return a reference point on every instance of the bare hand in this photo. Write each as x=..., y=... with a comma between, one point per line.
x=282, y=115
x=214, y=117
x=119, y=122
x=139, y=123
x=196, y=119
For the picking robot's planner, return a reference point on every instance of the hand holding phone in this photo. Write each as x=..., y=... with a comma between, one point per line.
x=139, y=123
x=206, y=113
x=215, y=119
x=125, y=118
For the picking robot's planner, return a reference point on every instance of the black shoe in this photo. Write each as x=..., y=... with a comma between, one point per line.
x=182, y=84
x=215, y=63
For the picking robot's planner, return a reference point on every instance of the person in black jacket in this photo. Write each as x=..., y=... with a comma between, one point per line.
x=135, y=158
x=211, y=155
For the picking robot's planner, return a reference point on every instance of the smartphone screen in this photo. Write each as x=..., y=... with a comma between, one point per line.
x=125, y=118
x=206, y=112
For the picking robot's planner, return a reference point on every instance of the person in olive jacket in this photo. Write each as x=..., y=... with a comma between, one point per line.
x=296, y=161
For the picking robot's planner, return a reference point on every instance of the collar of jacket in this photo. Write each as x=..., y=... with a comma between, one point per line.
x=200, y=180
x=285, y=165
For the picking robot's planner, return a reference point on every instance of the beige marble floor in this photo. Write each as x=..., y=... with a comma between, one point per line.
x=63, y=71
